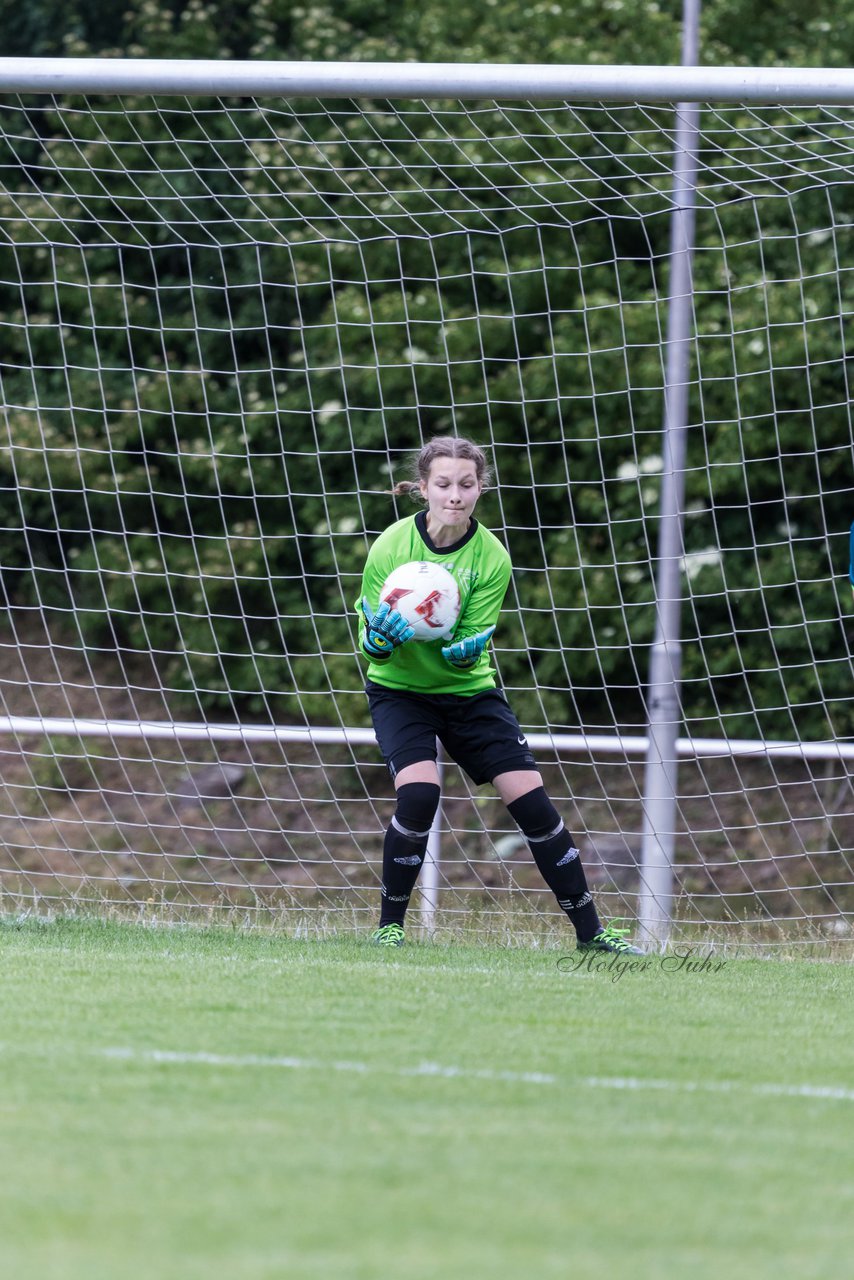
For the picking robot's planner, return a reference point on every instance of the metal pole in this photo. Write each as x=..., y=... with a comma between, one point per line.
x=523, y=82
x=429, y=878
x=561, y=743
x=655, y=902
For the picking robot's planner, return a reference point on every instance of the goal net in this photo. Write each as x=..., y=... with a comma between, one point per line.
x=228, y=322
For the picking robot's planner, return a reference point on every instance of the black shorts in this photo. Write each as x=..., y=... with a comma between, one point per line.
x=480, y=733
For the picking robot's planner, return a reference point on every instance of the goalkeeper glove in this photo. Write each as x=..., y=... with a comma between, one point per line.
x=385, y=631
x=465, y=653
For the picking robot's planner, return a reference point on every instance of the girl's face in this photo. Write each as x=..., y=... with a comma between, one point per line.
x=451, y=492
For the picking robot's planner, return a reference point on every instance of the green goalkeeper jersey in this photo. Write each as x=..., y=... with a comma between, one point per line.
x=481, y=567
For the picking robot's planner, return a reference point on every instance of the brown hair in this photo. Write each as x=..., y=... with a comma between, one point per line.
x=443, y=447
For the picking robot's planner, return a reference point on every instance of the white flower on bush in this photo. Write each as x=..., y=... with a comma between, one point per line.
x=651, y=466
x=695, y=562
x=644, y=467
x=328, y=410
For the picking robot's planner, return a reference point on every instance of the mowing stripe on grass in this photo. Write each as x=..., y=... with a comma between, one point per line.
x=435, y=1069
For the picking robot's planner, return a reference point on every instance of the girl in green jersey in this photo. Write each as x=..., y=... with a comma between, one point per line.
x=419, y=692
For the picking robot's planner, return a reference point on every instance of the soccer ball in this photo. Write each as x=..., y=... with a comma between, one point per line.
x=426, y=595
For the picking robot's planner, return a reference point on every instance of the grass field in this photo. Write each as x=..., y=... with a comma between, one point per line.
x=186, y=1104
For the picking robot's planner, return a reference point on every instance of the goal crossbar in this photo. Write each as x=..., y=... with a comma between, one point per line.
x=531, y=82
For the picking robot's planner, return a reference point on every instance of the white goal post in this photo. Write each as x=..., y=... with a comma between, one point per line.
x=235, y=297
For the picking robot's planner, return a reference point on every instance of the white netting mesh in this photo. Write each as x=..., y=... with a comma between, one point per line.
x=225, y=323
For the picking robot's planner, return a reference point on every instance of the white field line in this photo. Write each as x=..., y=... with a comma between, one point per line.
x=720, y=1086
x=316, y=1064
x=435, y=1069
x=238, y=964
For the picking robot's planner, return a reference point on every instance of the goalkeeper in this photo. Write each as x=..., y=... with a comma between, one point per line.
x=420, y=692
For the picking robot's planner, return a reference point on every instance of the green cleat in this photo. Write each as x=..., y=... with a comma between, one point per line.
x=612, y=940
x=389, y=935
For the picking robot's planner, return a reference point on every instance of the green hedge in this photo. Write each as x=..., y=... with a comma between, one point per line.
x=194, y=461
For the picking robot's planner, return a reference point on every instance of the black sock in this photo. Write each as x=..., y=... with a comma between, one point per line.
x=404, y=847
x=557, y=859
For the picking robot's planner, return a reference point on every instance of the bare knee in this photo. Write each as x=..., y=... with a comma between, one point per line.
x=516, y=783
x=421, y=771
